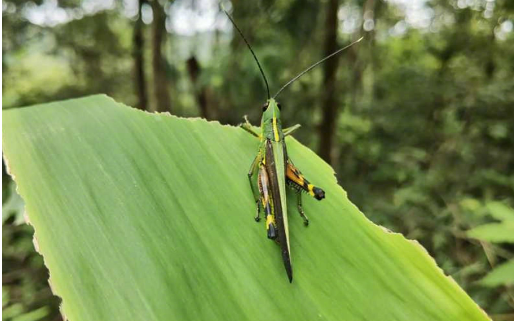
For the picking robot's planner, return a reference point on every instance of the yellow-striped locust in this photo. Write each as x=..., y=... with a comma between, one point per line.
x=274, y=168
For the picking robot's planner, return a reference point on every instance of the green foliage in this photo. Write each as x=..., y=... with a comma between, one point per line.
x=502, y=232
x=25, y=292
x=142, y=215
x=12, y=206
x=494, y=232
x=501, y=275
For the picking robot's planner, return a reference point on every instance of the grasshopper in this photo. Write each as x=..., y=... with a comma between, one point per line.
x=274, y=167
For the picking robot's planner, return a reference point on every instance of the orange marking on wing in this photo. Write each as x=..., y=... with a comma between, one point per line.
x=294, y=175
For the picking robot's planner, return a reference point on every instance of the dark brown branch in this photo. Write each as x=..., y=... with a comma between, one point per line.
x=139, y=71
x=194, y=69
x=329, y=101
x=161, y=85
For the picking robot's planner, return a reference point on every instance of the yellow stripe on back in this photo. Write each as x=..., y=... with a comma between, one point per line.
x=275, y=127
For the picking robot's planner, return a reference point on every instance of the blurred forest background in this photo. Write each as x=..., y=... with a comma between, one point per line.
x=417, y=119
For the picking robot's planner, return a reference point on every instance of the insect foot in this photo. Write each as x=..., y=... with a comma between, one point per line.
x=257, y=217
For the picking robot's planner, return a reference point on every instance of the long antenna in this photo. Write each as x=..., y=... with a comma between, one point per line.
x=251, y=49
x=314, y=65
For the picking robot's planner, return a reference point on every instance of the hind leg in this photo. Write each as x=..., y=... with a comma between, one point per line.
x=295, y=177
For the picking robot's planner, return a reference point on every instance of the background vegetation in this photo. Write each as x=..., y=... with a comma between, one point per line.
x=417, y=119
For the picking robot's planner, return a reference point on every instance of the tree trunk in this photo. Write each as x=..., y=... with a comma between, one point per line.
x=200, y=93
x=139, y=71
x=161, y=88
x=357, y=65
x=329, y=102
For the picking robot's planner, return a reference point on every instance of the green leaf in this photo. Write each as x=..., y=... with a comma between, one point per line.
x=13, y=206
x=500, y=211
x=503, y=274
x=5, y=295
x=12, y=311
x=34, y=315
x=150, y=217
x=494, y=232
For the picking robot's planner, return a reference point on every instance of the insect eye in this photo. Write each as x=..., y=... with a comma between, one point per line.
x=264, y=107
x=279, y=106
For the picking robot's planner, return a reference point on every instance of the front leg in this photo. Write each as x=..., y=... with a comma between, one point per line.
x=290, y=130
x=249, y=128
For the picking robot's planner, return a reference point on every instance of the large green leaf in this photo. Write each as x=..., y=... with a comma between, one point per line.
x=149, y=217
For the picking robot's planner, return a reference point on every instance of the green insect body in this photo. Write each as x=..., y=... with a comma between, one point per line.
x=275, y=171
x=274, y=168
